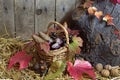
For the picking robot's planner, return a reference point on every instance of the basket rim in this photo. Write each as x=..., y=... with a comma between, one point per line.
x=62, y=27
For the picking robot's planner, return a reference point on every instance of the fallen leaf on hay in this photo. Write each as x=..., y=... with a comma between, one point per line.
x=80, y=68
x=108, y=19
x=88, y=4
x=20, y=57
x=115, y=1
x=98, y=14
x=56, y=69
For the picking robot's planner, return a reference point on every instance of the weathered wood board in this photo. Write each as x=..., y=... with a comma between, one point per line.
x=24, y=18
x=7, y=17
x=44, y=13
x=64, y=8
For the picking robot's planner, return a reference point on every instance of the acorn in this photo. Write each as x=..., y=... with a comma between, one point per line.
x=99, y=67
x=114, y=72
x=108, y=67
x=105, y=73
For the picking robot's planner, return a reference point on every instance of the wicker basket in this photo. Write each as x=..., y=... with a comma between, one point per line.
x=57, y=54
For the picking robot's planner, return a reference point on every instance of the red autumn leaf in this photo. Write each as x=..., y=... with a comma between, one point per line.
x=98, y=14
x=108, y=19
x=88, y=4
x=79, y=68
x=118, y=1
x=115, y=1
x=20, y=57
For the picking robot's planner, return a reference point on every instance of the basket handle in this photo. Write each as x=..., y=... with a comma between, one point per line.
x=64, y=29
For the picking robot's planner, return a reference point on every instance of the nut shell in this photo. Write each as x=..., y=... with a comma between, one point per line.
x=108, y=67
x=99, y=67
x=105, y=73
x=114, y=72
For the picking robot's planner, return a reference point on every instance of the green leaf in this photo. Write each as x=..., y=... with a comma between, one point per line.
x=74, y=47
x=56, y=70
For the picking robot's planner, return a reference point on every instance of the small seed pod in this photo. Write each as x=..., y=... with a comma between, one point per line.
x=105, y=73
x=114, y=72
x=99, y=67
x=108, y=67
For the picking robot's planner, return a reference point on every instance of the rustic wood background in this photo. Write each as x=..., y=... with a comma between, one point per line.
x=25, y=17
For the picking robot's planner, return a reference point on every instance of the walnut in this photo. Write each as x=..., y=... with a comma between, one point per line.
x=105, y=73
x=114, y=72
x=99, y=67
x=108, y=67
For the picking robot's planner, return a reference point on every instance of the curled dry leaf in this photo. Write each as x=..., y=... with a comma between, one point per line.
x=37, y=39
x=45, y=37
x=92, y=10
x=98, y=14
x=108, y=19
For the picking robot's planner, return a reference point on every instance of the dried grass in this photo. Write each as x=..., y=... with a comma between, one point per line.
x=8, y=46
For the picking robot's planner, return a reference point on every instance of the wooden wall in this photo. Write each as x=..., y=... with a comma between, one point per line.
x=25, y=17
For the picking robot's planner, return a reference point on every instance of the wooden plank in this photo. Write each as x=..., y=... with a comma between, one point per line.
x=7, y=17
x=45, y=13
x=64, y=9
x=24, y=18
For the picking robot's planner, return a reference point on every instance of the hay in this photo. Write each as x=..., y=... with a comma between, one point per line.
x=9, y=46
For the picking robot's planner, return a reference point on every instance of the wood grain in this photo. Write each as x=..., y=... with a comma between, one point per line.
x=64, y=10
x=7, y=17
x=24, y=18
x=44, y=13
